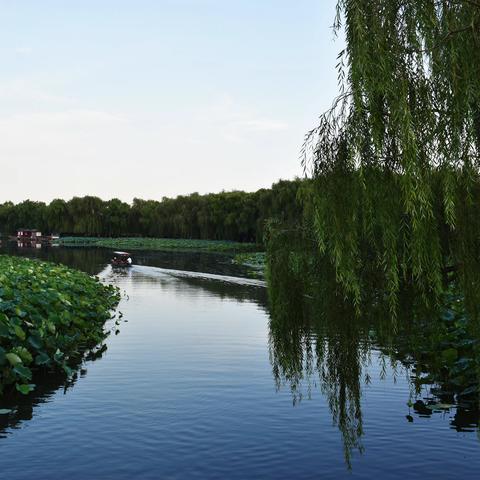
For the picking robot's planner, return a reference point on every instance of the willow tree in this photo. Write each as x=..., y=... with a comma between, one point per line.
x=396, y=158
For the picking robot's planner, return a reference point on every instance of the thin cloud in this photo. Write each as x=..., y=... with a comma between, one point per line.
x=263, y=125
x=21, y=90
x=236, y=121
x=23, y=50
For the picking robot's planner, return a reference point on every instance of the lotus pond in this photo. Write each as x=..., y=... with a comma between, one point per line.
x=202, y=377
x=49, y=316
x=139, y=243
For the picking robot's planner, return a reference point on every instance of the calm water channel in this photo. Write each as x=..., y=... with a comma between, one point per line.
x=197, y=384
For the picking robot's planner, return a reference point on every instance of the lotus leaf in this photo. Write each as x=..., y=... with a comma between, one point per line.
x=47, y=312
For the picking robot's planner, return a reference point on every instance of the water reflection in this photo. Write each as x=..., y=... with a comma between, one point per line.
x=318, y=339
x=90, y=260
x=95, y=261
x=305, y=351
x=21, y=407
x=189, y=376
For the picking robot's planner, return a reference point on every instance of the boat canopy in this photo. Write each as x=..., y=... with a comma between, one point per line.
x=122, y=254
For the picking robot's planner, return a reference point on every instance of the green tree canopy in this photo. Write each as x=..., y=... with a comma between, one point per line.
x=396, y=159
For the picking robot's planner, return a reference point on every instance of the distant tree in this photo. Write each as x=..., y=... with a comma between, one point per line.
x=58, y=218
x=116, y=215
x=235, y=215
x=87, y=215
x=28, y=214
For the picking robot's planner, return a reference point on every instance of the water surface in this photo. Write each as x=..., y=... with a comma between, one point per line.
x=198, y=383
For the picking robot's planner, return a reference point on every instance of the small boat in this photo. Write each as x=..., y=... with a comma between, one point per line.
x=121, y=259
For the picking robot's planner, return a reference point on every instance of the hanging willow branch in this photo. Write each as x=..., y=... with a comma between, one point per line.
x=396, y=159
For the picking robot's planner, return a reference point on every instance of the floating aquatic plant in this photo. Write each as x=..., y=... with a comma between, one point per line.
x=49, y=316
x=138, y=243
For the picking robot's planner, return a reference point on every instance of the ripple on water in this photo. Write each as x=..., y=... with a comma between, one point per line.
x=186, y=391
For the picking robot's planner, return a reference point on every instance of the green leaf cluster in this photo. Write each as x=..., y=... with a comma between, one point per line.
x=140, y=243
x=396, y=160
x=49, y=315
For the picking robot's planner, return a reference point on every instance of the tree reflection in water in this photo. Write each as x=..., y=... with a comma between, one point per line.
x=47, y=383
x=304, y=350
x=317, y=337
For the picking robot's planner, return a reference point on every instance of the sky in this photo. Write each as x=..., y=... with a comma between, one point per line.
x=153, y=98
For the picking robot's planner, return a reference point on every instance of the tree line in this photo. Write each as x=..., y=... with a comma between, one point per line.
x=235, y=215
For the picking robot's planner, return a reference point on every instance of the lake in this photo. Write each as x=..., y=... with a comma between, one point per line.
x=197, y=382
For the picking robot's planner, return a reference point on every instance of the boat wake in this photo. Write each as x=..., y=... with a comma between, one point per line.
x=144, y=271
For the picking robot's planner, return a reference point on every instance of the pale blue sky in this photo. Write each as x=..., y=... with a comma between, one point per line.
x=145, y=98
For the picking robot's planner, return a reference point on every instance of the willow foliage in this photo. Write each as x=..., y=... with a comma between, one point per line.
x=396, y=159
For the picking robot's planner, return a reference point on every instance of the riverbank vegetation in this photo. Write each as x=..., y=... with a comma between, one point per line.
x=50, y=315
x=253, y=260
x=318, y=337
x=139, y=243
x=387, y=253
x=234, y=216
x=395, y=163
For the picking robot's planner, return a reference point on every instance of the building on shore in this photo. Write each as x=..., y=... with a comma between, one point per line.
x=28, y=234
